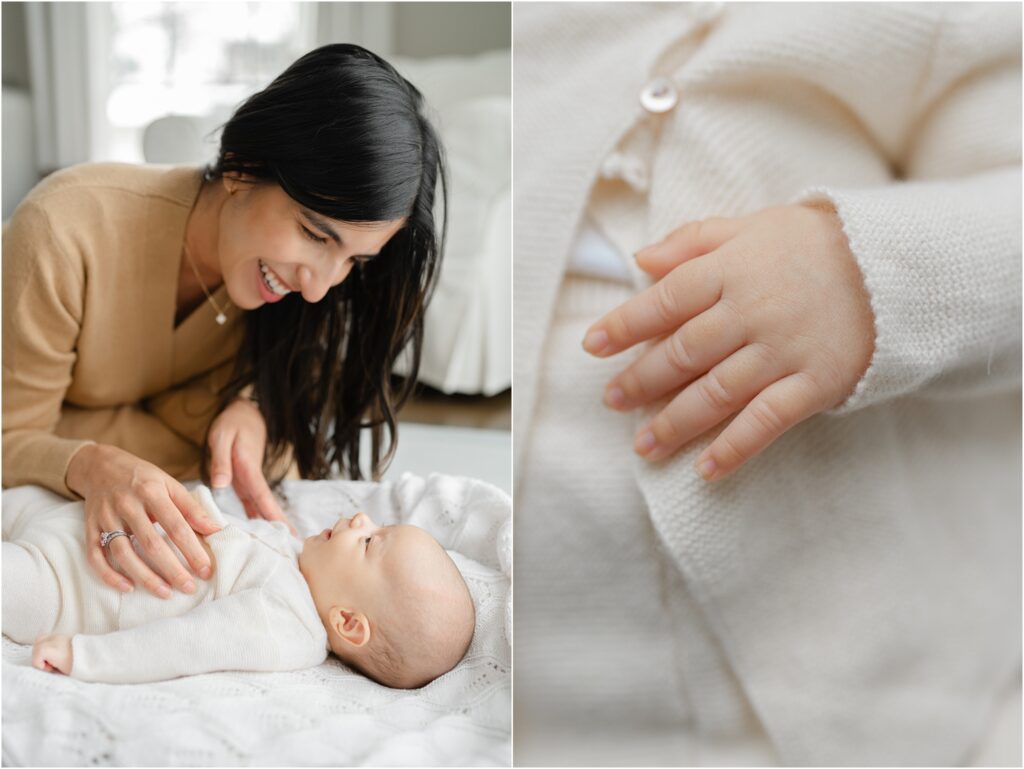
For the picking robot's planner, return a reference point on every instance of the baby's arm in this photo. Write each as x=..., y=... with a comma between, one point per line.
x=243, y=631
x=846, y=297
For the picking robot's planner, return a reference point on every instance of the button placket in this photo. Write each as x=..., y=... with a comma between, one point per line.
x=628, y=167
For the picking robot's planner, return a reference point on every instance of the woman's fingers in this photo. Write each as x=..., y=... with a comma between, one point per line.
x=687, y=290
x=775, y=410
x=158, y=553
x=252, y=511
x=193, y=512
x=703, y=404
x=96, y=555
x=180, y=520
x=687, y=242
x=255, y=493
x=679, y=358
x=121, y=550
x=221, y=442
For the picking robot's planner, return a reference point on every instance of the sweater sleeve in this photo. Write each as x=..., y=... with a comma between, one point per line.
x=43, y=306
x=940, y=250
x=243, y=631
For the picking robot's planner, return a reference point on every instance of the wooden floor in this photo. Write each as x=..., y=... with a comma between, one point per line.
x=433, y=407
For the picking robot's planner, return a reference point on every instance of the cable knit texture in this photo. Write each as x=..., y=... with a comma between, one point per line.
x=862, y=574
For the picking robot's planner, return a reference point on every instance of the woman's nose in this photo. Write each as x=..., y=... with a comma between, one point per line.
x=314, y=284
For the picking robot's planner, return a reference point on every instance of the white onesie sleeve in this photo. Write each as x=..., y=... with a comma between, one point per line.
x=941, y=251
x=250, y=630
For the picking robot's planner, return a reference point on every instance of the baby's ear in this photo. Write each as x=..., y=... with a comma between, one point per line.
x=351, y=626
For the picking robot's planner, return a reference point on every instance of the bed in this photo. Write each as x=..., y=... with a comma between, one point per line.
x=326, y=715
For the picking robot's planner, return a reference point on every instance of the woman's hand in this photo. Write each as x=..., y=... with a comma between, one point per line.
x=123, y=492
x=238, y=438
x=52, y=653
x=767, y=313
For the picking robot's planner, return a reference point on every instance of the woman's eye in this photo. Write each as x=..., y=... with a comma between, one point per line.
x=309, y=235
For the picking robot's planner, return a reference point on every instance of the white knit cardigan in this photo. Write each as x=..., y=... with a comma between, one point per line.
x=863, y=574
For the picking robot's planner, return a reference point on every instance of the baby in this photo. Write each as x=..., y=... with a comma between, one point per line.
x=387, y=600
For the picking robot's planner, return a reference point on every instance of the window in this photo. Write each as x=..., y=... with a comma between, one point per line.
x=194, y=59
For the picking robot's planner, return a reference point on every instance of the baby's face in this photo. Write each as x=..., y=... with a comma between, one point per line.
x=363, y=565
x=392, y=600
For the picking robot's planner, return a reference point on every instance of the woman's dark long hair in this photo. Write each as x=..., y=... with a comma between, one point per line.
x=343, y=134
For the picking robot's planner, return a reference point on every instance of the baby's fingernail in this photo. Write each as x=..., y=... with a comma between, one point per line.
x=163, y=591
x=707, y=468
x=643, y=252
x=219, y=480
x=125, y=586
x=645, y=442
x=205, y=572
x=615, y=398
x=595, y=342
x=189, y=587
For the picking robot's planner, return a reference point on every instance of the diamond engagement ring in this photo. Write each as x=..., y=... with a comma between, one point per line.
x=106, y=537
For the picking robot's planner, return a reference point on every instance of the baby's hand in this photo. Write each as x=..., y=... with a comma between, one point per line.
x=767, y=313
x=52, y=653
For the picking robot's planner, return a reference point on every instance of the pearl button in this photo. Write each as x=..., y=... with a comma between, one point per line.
x=659, y=95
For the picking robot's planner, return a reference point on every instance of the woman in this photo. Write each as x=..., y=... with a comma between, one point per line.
x=164, y=324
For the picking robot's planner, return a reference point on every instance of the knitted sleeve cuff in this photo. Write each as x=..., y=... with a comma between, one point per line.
x=941, y=261
x=36, y=457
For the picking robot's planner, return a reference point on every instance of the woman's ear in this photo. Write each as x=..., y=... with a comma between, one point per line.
x=233, y=181
x=351, y=627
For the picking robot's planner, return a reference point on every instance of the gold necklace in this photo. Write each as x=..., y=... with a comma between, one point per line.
x=221, y=317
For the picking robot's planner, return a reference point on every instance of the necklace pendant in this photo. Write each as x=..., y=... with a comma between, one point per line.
x=221, y=319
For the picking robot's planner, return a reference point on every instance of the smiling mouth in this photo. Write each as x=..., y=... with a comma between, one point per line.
x=273, y=281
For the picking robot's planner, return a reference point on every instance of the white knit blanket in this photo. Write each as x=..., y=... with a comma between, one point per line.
x=326, y=715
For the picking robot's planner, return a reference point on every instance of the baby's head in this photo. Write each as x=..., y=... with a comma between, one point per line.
x=391, y=599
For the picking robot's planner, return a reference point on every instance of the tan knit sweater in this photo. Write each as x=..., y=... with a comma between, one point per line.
x=91, y=260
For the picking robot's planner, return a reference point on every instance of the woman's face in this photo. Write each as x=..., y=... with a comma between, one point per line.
x=269, y=245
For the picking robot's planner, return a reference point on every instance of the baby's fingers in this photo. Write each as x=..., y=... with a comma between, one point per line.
x=678, y=358
x=39, y=659
x=722, y=391
x=779, y=407
x=221, y=442
x=52, y=654
x=687, y=242
x=661, y=309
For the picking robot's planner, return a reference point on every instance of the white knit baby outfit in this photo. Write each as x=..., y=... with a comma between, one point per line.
x=852, y=594
x=254, y=613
